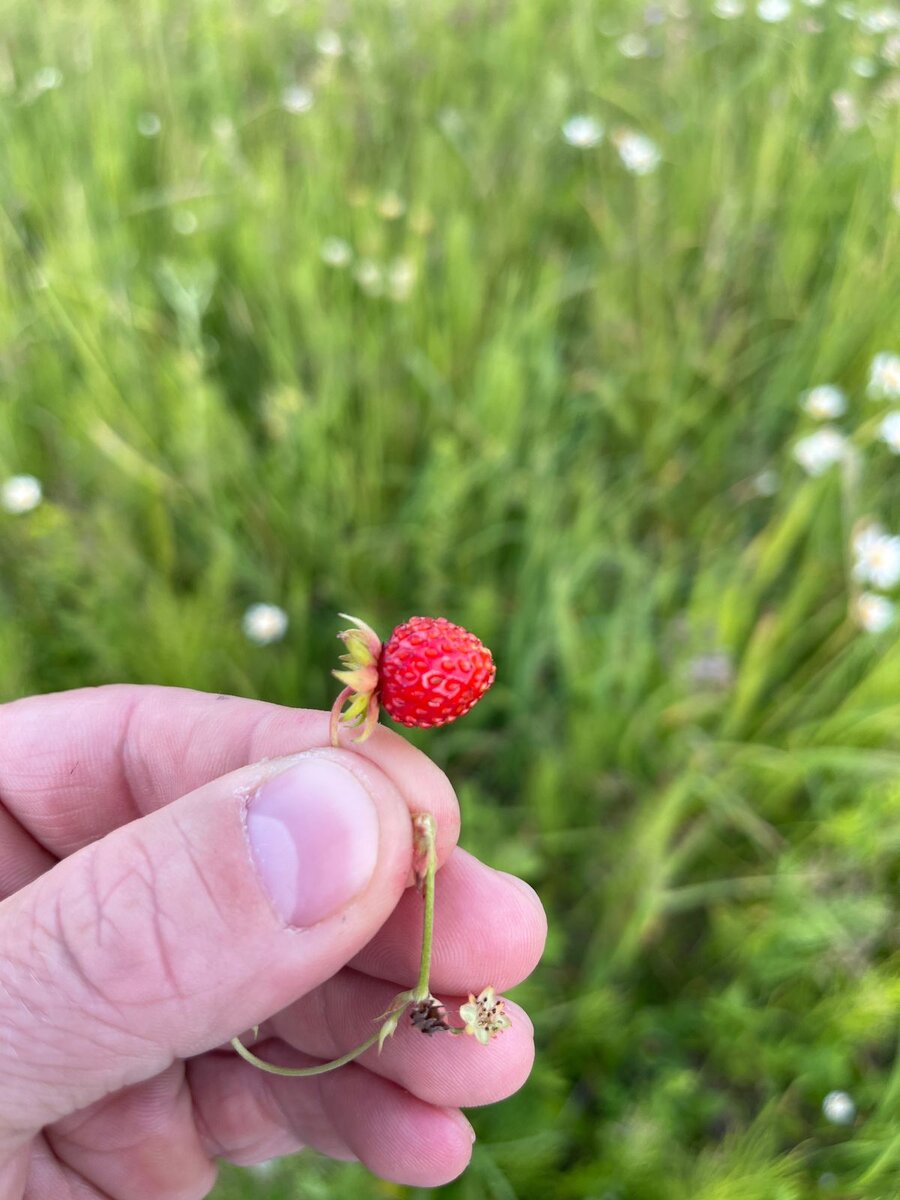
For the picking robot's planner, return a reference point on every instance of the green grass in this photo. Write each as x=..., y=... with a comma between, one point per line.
x=554, y=441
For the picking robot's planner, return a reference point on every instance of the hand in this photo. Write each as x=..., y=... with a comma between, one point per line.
x=160, y=896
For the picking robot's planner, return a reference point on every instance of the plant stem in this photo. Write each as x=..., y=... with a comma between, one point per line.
x=321, y=1069
x=425, y=832
x=424, y=843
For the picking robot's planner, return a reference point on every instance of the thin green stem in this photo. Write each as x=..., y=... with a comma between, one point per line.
x=425, y=831
x=321, y=1069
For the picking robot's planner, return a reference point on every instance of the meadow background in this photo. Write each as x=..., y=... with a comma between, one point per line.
x=318, y=305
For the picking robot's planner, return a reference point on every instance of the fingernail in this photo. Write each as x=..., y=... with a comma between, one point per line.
x=313, y=834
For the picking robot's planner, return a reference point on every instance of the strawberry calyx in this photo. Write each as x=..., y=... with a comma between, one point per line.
x=360, y=679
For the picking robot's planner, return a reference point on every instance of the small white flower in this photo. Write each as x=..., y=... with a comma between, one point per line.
x=889, y=95
x=874, y=614
x=839, y=1108
x=638, y=153
x=820, y=450
x=633, y=45
x=863, y=67
x=451, y=122
x=222, y=128
x=401, y=279
x=765, y=483
x=773, y=11
x=329, y=44
x=884, y=377
x=264, y=623
x=847, y=110
x=148, y=124
x=728, y=10
x=880, y=20
x=713, y=670
x=21, y=493
x=889, y=431
x=583, y=131
x=185, y=222
x=484, y=1015
x=335, y=252
x=48, y=78
x=824, y=402
x=369, y=276
x=890, y=51
x=864, y=534
x=297, y=99
x=391, y=206
x=877, y=557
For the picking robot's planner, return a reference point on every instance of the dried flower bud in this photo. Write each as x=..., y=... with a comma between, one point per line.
x=429, y=1016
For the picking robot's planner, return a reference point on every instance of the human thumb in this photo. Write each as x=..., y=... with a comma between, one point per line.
x=178, y=931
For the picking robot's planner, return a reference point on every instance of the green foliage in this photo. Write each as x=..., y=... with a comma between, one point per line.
x=557, y=440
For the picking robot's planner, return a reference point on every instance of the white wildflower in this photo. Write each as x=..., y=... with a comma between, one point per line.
x=633, y=45
x=888, y=95
x=21, y=493
x=297, y=99
x=329, y=44
x=820, y=450
x=839, y=1108
x=713, y=670
x=773, y=11
x=889, y=431
x=185, y=222
x=264, y=623
x=765, y=483
x=369, y=276
x=148, y=124
x=728, y=10
x=401, y=279
x=638, y=153
x=391, y=206
x=824, y=402
x=884, y=377
x=846, y=109
x=880, y=20
x=874, y=614
x=335, y=252
x=47, y=78
x=890, y=51
x=583, y=131
x=222, y=128
x=877, y=555
x=865, y=68
x=484, y=1015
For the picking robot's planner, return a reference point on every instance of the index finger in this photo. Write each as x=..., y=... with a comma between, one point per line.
x=76, y=765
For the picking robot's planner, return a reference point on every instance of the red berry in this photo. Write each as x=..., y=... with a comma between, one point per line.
x=428, y=673
x=432, y=671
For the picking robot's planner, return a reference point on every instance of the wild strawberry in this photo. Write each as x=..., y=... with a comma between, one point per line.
x=429, y=672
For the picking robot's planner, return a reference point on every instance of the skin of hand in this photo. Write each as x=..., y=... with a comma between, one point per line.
x=176, y=868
